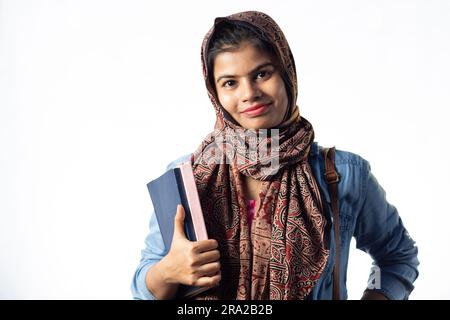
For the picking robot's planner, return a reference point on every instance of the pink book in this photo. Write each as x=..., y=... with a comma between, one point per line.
x=194, y=213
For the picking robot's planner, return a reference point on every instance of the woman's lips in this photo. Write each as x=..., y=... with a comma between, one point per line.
x=254, y=112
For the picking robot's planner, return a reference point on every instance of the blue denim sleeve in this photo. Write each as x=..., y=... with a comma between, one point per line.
x=379, y=231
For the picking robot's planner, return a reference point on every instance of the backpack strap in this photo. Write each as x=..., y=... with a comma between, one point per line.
x=332, y=177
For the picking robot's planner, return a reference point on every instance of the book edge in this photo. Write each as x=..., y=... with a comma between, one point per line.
x=194, y=201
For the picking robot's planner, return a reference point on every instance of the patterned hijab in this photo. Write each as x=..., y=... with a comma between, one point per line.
x=284, y=254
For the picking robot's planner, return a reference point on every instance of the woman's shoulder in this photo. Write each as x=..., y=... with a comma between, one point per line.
x=342, y=157
x=352, y=168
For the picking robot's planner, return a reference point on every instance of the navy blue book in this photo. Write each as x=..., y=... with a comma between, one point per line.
x=177, y=186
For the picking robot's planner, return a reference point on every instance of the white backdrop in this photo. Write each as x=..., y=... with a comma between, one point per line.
x=96, y=97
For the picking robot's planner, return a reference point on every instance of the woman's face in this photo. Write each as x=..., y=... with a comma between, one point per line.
x=250, y=87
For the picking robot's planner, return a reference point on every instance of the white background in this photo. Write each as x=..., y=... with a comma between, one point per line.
x=96, y=97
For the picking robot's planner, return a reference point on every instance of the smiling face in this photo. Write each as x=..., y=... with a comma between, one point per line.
x=250, y=88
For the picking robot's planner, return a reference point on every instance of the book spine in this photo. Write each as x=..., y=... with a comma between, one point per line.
x=194, y=201
x=189, y=224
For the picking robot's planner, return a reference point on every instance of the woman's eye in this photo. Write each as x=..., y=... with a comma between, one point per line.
x=261, y=74
x=228, y=83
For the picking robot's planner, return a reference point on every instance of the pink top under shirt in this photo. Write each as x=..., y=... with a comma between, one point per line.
x=251, y=208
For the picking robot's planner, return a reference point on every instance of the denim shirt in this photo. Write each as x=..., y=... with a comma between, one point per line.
x=364, y=214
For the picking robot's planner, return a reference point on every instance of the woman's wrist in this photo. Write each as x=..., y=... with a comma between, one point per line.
x=160, y=283
x=164, y=270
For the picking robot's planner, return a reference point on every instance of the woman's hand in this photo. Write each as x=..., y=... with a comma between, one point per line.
x=373, y=295
x=193, y=263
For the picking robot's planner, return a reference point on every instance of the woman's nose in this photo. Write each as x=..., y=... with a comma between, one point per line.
x=250, y=90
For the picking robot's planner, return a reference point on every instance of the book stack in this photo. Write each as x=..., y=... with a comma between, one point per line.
x=177, y=186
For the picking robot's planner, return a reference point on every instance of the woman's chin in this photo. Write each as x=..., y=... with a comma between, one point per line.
x=261, y=123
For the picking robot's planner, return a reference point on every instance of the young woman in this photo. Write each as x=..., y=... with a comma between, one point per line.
x=269, y=222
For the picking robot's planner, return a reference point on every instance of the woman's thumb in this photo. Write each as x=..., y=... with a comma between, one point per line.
x=179, y=222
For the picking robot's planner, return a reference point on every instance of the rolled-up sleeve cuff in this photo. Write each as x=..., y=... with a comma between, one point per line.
x=393, y=288
x=139, y=286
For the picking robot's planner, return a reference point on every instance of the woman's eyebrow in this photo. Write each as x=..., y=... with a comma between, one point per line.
x=254, y=70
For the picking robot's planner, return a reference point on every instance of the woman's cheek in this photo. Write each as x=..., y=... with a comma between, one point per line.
x=227, y=102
